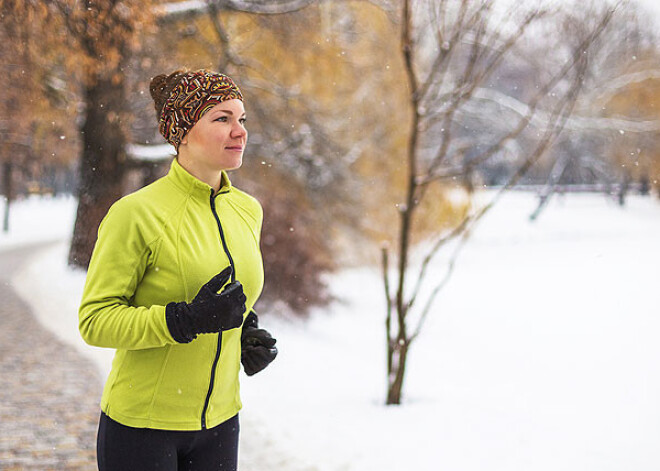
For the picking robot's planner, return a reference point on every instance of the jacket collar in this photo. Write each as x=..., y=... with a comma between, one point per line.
x=190, y=185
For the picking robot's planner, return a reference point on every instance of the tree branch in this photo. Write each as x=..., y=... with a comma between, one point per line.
x=560, y=115
x=227, y=57
x=465, y=91
x=531, y=110
x=386, y=285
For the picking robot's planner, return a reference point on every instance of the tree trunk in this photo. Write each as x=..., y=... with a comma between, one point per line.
x=398, y=351
x=101, y=165
x=396, y=375
x=7, y=189
x=623, y=189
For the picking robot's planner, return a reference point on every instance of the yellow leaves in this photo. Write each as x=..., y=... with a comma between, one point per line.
x=60, y=44
x=639, y=100
x=637, y=155
x=444, y=207
x=98, y=34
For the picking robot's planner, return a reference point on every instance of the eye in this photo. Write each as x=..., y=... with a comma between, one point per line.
x=242, y=120
x=222, y=119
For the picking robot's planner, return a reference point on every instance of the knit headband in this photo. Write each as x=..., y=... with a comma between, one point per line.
x=190, y=99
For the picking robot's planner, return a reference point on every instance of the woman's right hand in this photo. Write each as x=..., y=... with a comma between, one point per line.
x=209, y=311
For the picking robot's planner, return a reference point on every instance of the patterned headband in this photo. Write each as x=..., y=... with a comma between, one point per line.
x=191, y=98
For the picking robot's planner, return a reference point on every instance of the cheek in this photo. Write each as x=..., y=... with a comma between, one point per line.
x=212, y=139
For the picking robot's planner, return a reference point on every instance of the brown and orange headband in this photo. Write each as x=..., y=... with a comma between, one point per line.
x=190, y=99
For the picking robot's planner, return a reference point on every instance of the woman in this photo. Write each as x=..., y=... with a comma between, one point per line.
x=175, y=270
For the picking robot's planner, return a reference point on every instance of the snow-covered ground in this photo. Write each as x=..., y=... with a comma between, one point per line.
x=542, y=352
x=37, y=219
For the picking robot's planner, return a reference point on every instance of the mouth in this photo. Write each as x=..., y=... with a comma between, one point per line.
x=235, y=148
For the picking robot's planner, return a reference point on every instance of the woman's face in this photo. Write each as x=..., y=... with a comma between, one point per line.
x=216, y=142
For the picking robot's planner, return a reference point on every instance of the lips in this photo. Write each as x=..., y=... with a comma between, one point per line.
x=235, y=148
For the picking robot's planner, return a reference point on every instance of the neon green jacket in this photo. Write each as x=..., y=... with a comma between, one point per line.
x=158, y=245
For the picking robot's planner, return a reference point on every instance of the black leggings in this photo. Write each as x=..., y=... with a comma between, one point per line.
x=141, y=449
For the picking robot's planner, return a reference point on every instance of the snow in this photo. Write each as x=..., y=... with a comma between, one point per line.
x=154, y=153
x=540, y=354
x=184, y=7
x=37, y=219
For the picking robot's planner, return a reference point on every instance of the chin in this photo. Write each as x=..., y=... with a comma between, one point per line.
x=234, y=164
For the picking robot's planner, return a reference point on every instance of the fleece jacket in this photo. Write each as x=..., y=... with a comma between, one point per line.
x=158, y=245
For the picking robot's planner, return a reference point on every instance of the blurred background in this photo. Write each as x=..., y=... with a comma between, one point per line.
x=387, y=137
x=330, y=109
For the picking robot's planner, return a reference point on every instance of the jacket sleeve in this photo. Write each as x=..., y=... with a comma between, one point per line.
x=106, y=317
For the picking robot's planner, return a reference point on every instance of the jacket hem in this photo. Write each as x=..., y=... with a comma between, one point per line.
x=143, y=422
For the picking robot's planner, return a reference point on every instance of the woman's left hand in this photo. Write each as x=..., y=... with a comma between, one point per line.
x=257, y=346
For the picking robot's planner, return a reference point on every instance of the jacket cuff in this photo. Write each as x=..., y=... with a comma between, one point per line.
x=176, y=324
x=251, y=321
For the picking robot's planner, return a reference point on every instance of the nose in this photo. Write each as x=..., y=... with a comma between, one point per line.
x=238, y=130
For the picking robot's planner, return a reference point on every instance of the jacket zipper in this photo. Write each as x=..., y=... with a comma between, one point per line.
x=233, y=278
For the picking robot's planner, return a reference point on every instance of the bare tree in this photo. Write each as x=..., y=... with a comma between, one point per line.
x=446, y=77
x=609, y=118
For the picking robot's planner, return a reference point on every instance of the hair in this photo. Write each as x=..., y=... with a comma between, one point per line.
x=161, y=86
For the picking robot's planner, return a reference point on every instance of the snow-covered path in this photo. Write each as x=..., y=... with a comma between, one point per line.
x=541, y=354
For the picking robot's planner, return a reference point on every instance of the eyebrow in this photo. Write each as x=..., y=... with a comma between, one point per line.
x=228, y=112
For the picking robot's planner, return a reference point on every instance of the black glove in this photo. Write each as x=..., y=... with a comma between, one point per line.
x=257, y=346
x=209, y=312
